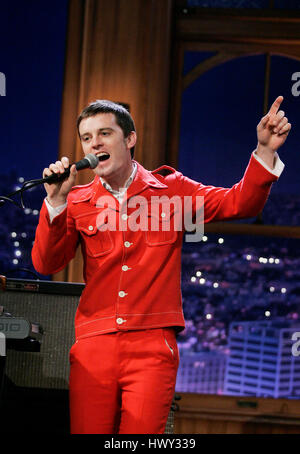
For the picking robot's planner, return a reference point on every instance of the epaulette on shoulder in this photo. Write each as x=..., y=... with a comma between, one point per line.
x=163, y=171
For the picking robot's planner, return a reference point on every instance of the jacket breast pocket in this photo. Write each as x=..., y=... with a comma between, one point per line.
x=163, y=225
x=97, y=240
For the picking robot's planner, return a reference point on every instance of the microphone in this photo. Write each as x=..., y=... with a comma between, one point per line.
x=90, y=161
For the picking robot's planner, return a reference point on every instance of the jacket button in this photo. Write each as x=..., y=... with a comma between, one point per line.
x=122, y=294
x=120, y=321
x=91, y=227
x=127, y=244
x=124, y=217
x=125, y=268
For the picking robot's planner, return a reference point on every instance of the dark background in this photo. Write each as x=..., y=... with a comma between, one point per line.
x=32, y=54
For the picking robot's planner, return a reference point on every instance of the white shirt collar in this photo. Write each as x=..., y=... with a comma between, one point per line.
x=121, y=191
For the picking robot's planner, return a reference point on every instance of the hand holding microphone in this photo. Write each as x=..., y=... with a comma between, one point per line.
x=59, y=178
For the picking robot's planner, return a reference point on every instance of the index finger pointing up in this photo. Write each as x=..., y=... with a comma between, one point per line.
x=275, y=106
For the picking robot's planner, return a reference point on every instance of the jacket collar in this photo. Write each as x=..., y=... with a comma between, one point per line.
x=143, y=179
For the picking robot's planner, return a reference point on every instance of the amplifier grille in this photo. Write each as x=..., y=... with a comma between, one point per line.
x=48, y=368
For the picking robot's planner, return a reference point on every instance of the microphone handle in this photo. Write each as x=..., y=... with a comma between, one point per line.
x=57, y=177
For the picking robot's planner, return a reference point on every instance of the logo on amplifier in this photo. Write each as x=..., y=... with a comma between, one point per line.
x=14, y=327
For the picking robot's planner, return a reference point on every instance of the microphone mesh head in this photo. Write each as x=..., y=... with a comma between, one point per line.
x=93, y=160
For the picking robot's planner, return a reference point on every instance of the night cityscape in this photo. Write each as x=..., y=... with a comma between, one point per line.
x=232, y=281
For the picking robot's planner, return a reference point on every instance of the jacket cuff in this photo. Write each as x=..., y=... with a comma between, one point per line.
x=278, y=167
x=53, y=212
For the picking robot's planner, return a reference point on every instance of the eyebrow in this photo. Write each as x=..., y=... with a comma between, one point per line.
x=99, y=130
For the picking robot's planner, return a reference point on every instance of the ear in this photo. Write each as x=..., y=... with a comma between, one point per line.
x=131, y=139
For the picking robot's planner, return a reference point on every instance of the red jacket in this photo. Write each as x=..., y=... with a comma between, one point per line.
x=133, y=277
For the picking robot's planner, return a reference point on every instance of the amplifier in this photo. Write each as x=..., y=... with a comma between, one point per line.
x=35, y=390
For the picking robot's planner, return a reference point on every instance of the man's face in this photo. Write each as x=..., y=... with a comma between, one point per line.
x=101, y=135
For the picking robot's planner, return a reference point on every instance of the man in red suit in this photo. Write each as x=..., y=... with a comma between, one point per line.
x=125, y=358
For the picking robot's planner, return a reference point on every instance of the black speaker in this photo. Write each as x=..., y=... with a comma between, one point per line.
x=34, y=394
x=35, y=385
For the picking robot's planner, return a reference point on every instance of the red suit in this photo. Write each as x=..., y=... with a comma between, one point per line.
x=132, y=284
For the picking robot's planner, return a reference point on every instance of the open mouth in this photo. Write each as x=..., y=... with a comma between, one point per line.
x=103, y=156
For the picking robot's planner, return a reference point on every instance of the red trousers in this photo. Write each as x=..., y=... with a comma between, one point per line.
x=123, y=382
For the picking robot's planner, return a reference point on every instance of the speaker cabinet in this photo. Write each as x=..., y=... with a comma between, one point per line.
x=35, y=388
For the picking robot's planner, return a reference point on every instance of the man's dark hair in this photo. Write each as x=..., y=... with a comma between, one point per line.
x=123, y=117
